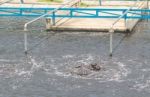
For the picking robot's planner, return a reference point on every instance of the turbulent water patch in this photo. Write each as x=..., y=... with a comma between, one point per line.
x=84, y=66
x=78, y=67
x=142, y=86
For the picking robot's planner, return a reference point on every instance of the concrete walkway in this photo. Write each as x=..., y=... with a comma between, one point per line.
x=89, y=24
x=96, y=24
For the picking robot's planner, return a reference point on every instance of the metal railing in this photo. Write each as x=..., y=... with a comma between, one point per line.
x=111, y=31
x=26, y=24
x=51, y=12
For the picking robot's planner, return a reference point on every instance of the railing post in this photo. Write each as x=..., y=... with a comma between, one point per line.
x=111, y=32
x=125, y=19
x=48, y=22
x=45, y=11
x=21, y=10
x=53, y=18
x=71, y=12
x=97, y=12
x=25, y=42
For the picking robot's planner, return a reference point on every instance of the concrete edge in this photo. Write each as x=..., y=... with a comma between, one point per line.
x=133, y=26
x=85, y=29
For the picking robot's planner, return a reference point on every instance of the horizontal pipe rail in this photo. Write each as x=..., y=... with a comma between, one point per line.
x=92, y=17
x=87, y=12
x=69, y=8
x=51, y=12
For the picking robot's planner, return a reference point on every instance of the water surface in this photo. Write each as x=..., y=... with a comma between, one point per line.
x=45, y=71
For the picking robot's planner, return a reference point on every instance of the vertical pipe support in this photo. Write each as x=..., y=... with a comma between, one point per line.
x=48, y=22
x=21, y=11
x=111, y=32
x=97, y=12
x=125, y=18
x=25, y=42
x=25, y=39
x=53, y=18
x=71, y=12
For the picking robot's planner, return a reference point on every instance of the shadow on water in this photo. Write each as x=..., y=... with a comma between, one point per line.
x=47, y=36
x=122, y=39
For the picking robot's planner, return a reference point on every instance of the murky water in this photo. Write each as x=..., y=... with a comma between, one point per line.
x=45, y=71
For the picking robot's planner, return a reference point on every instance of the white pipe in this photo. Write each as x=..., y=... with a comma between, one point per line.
x=111, y=39
x=25, y=42
x=55, y=10
x=111, y=31
x=26, y=24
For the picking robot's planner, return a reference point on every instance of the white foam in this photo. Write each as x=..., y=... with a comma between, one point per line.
x=7, y=60
x=143, y=86
x=68, y=56
x=35, y=65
